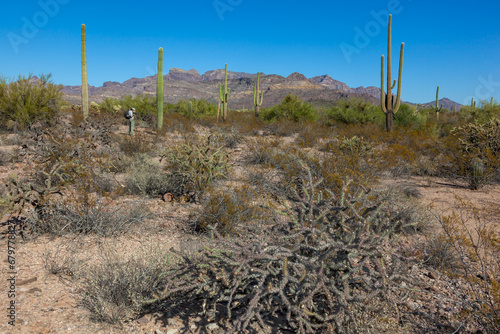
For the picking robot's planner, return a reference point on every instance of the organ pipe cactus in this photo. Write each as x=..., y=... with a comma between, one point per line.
x=223, y=96
x=256, y=101
x=389, y=106
x=159, y=89
x=85, y=88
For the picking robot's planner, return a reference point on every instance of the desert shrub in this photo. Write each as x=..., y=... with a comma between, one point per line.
x=27, y=100
x=311, y=134
x=438, y=252
x=144, y=177
x=228, y=211
x=229, y=136
x=196, y=163
x=322, y=268
x=260, y=151
x=353, y=111
x=139, y=143
x=175, y=122
x=111, y=106
x=480, y=114
x=408, y=116
x=200, y=108
x=116, y=288
x=477, y=158
x=291, y=108
x=475, y=239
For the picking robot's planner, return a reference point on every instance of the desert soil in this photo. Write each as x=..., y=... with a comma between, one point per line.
x=46, y=303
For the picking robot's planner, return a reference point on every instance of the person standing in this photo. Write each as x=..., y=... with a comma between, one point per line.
x=131, y=116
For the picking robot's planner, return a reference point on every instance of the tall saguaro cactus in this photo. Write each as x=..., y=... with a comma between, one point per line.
x=85, y=88
x=389, y=106
x=256, y=102
x=437, y=108
x=159, y=89
x=223, y=96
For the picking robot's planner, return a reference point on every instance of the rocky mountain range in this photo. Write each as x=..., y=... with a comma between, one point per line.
x=181, y=84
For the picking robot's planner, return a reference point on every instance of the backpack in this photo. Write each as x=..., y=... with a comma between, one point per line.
x=129, y=114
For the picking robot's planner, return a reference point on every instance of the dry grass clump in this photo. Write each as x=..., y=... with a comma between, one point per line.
x=117, y=288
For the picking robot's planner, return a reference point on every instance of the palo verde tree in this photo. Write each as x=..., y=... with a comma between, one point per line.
x=390, y=104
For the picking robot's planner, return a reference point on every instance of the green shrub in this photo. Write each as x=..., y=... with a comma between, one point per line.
x=27, y=100
x=291, y=108
x=353, y=111
x=200, y=107
x=408, y=116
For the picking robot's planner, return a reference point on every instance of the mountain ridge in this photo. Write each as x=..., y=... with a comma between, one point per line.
x=186, y=84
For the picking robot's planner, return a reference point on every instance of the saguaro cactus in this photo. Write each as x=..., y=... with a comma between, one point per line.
x=256, y=101
x=223, y=96
x=85, y=88
x=437, y=108
x=190, y=110
x=389, y=106
x=159, y=89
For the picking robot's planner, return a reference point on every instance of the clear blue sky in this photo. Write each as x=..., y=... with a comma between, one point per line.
x=455, y=45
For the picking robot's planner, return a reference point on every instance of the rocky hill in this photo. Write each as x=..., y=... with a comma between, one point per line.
x=181, y=84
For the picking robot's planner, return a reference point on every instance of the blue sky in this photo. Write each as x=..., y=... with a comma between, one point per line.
x=455, y=45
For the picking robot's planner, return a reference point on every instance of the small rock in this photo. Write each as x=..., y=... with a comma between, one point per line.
x=26, y=281
x=172, y=322
x=157, y=331
x=168, y=197
x=432, y=275
x=212, y=326
x=172, y=331
x=143, y=320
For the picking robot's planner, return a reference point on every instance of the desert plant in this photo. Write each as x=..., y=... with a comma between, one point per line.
x=227, y=211
x=477, y=159
x=352, y=111
x=257, y=102
x=85, y=87
x=159, y=89
x=223, y=97
x=197, y=162
x=29, y=100
x=477, y=243
x=291, y=108
x=389, y=106
x=437, y=108
x=320, y=269
x=116, y=288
